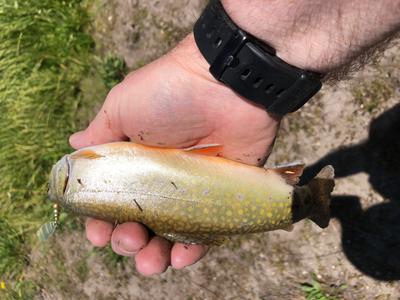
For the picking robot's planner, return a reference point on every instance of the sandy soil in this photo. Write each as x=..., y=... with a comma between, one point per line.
x=354, y=126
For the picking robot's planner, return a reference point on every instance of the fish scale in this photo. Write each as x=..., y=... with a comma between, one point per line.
x=183, y=195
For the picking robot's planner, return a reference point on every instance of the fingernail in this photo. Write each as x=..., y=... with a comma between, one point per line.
x=126, y=248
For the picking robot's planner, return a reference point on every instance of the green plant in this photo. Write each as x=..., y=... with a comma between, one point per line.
x=22, y=290
x=44, y=55
x=370, y=95
x=111, y=259
x=113, y=70
x=13, y=248
x=319, y=291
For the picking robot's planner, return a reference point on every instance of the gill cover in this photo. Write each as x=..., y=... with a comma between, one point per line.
x=59, y=179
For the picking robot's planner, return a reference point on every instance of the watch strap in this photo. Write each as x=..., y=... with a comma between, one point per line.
x=249, y=66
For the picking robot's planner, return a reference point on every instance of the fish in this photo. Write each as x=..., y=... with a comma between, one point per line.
x=187, y=195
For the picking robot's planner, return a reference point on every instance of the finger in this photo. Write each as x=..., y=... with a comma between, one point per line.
x=154, y=258
x=128, y=238
x=183, y=255
x=105, y=127
x=98, y=232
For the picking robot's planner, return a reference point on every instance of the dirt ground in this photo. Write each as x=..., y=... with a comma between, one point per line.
x=354, y=125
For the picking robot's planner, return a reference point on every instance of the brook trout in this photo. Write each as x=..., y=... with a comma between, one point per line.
x=186, y=195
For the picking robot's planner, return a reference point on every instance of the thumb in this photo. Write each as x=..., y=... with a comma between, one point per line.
x=104, y=128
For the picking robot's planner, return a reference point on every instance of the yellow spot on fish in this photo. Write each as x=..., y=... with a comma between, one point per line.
x=2, y=285
x=240, y=212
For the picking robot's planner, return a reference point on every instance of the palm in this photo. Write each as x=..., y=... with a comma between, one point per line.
x=166, y=104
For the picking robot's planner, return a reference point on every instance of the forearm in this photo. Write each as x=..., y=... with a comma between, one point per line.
x=318, y=35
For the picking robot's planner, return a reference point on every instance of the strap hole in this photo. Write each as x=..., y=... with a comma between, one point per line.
x=258, y=82
x=245, y=74
x=269, y=88
x=233, y=62
x=280, y=92
x=217, y=42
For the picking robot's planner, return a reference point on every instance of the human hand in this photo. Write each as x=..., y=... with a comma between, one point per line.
x=174, y=102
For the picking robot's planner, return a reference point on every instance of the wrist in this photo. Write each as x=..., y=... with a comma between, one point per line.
x=318, y=36
x=189, y=57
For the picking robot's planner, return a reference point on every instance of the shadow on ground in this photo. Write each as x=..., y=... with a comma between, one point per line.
x=371, y=237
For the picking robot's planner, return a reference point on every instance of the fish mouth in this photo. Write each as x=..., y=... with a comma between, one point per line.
x=59, y=178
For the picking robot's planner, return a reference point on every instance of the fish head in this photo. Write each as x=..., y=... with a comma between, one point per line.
x=59, y=180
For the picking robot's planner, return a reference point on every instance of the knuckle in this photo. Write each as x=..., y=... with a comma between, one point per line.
x=115, y=93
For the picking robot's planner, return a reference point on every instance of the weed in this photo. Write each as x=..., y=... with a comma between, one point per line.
x=372, y=94
x=43, y=57
x=316, y=290
x=113, y=71
x=112, y=260
x=22, y=290
x=12, y=250
x=44, y=54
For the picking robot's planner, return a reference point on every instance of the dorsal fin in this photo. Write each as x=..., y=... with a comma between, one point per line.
x=290, y=172
x=85, y=153
x=208, y=149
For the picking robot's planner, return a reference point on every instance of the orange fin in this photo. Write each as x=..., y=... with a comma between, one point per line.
x=290, y=172
x=208, y=149
x=86, y=154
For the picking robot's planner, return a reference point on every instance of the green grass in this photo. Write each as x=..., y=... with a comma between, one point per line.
x=45, y=56
x=113, y=70
x=12, y=249
x=111, y=260
x=317, y=290
x=370, y=95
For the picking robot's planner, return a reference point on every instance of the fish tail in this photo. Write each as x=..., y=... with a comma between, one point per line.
x=321, y=187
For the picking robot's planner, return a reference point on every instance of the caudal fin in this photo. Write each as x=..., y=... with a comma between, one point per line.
x=321, y=188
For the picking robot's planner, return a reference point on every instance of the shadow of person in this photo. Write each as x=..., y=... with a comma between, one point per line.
x=370, y=238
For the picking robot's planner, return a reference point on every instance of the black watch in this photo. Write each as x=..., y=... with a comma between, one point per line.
x=249, y=66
